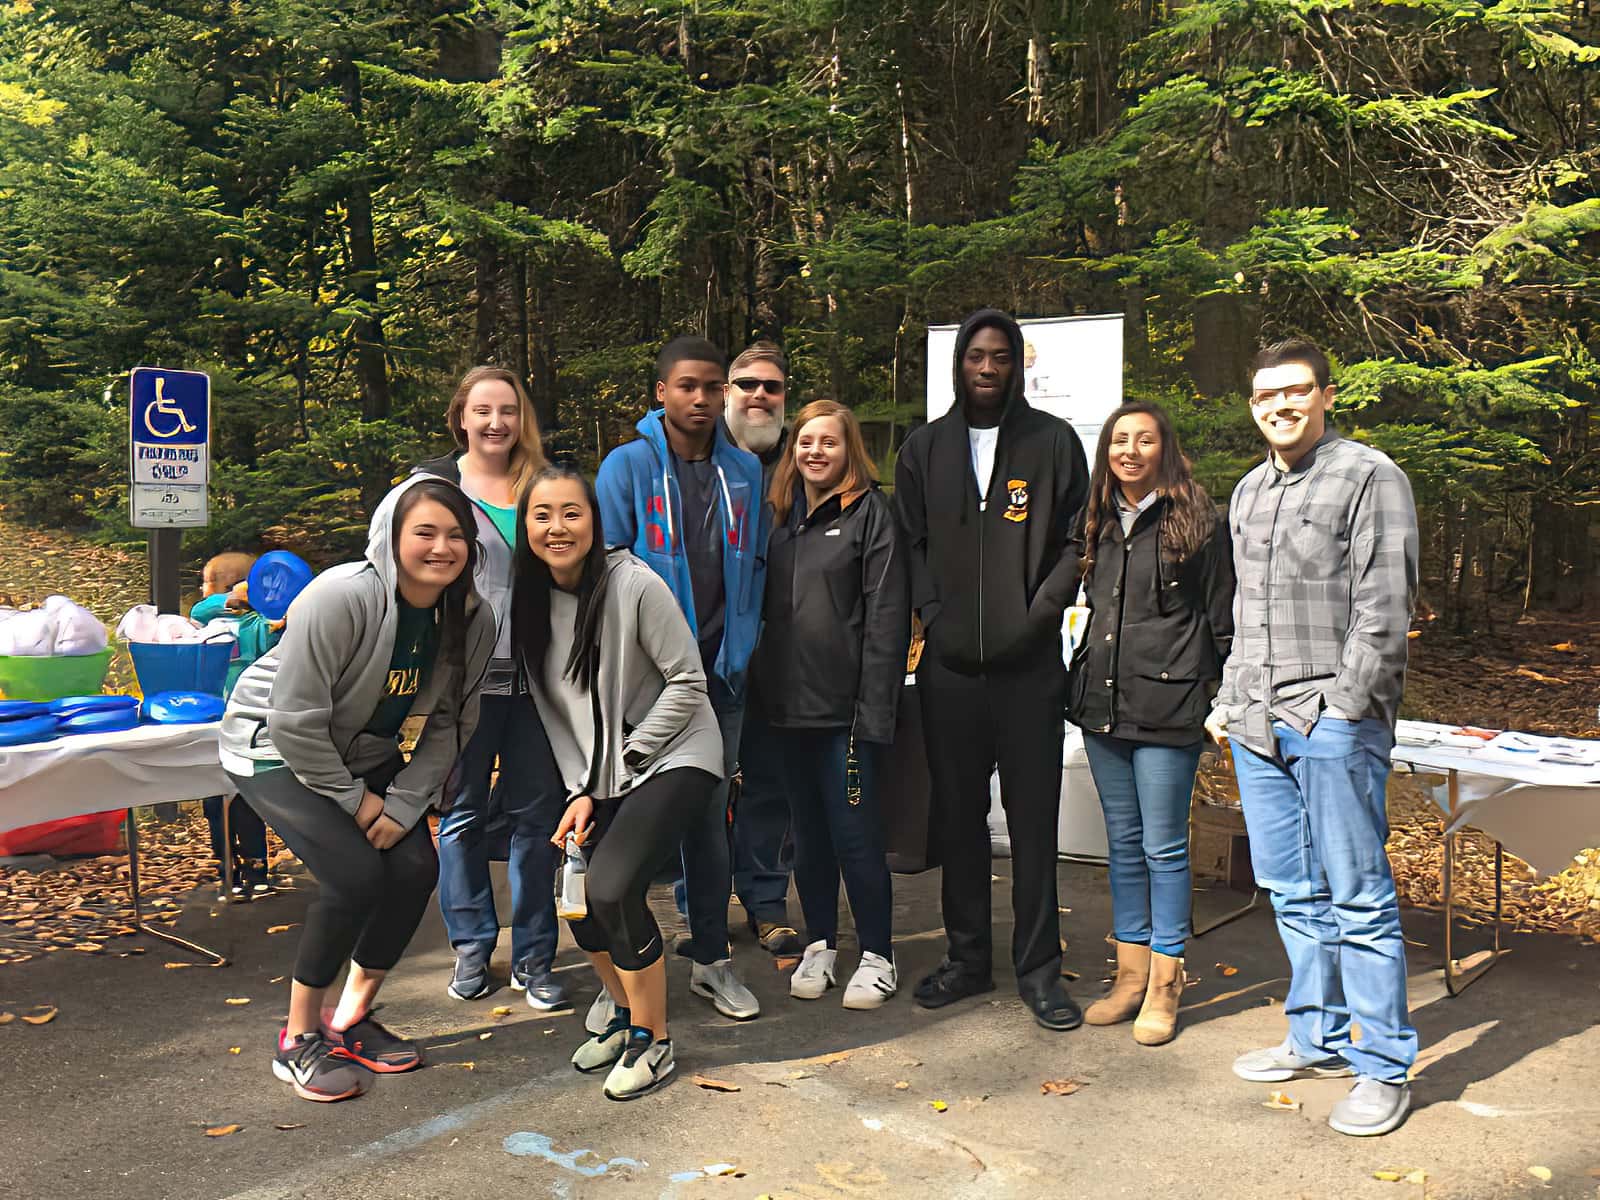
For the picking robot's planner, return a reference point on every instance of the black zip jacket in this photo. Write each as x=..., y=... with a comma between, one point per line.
x=990, y=586
x=1158, y=636
x=838, y=620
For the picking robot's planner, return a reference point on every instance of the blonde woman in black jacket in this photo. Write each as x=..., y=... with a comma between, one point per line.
x=1158, y=579
x=830, y=666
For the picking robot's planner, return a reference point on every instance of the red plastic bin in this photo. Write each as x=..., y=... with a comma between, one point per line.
x=91, y=833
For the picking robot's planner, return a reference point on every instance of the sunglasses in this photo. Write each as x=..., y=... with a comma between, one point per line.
x=773, y=387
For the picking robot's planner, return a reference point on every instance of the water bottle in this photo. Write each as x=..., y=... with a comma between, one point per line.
x=572, y=903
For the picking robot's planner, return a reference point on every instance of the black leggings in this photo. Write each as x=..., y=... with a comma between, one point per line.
x=369, y=902
x=633, y=836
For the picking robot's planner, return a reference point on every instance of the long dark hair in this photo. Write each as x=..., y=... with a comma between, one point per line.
x=452, y=603
x=1188, y=519
x=532, y=582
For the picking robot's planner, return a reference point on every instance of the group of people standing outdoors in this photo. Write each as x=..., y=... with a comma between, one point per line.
x=733, y=598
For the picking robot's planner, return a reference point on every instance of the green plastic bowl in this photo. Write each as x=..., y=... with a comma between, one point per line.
x=50, y=678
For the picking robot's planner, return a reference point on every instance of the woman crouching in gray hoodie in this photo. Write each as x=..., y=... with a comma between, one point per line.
x=311, y=739
x=622, y=693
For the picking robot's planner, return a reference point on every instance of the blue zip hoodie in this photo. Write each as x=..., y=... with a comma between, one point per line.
x=641, y=508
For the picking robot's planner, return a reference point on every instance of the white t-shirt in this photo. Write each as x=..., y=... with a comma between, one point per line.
x=983, y=444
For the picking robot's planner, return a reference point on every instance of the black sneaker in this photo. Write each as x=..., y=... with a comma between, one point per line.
x=471, y=978
x=1053, y=1008
x=545, y=992
x=776, y=938
x=309, y=1065
x=374, y=1047
x=950, y=982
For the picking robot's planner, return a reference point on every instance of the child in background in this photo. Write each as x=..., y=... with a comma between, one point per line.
x=223, y=594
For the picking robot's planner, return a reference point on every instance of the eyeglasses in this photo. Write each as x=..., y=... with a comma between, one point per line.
x=773, y=387
x=1293, y=393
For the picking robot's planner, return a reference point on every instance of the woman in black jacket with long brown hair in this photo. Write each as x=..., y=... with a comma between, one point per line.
x=1157, y=572
x=830, y=665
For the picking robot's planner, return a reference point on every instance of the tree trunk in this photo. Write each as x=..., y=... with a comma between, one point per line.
x=371, y=367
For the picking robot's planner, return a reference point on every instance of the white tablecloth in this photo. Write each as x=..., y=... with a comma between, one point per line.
x=96, y=772
x=1543, y=812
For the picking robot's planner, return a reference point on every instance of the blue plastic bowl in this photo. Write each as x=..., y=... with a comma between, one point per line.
x=183, y=667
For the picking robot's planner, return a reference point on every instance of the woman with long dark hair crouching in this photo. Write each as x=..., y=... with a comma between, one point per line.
x=622, y=693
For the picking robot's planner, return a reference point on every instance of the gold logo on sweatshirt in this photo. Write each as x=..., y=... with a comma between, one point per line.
x=1017, y=497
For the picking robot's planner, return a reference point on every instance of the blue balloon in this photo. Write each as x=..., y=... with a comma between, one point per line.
x=276, y=579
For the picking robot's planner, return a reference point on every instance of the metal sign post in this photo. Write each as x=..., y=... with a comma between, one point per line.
x=169, y=451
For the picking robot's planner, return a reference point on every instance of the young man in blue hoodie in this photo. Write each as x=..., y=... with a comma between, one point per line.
x=688, y=501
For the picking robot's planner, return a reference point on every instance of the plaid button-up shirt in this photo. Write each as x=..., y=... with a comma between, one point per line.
x=1326, y=558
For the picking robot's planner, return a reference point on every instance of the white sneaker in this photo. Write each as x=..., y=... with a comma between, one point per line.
x=602, y=1049
x=601, y=1013
x=643, y=1067
x=728, y=995
x=814, y=975
x=874, y=982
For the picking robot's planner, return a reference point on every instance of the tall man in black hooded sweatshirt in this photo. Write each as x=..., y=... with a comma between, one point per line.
x=985, y=496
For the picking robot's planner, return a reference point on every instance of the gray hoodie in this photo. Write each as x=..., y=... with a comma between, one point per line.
x=308, y=701
x=654, y=713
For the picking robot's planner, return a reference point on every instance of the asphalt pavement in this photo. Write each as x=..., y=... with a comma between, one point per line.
x=113, y=1097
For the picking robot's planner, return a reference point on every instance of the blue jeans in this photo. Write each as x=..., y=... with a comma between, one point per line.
x=247, y=832
x=531, y=797
x=702, y=894
x=837, y=831
x=1144, y=792
x=762, y=853
x=1317, y=823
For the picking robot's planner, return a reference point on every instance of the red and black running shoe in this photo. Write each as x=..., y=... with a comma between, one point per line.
x=309, y=1065
x=374, y=1047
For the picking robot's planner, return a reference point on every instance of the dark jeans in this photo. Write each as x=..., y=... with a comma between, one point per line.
x=633, y=835
x=762, y=851
x=972, y=724
x=369, y=902
x=246, y=831
x=530, y=796
x=838, y=829
x=707, y=876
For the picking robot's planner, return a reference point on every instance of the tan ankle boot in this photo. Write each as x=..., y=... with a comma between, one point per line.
x=1157, y=1021
x=1127, y=989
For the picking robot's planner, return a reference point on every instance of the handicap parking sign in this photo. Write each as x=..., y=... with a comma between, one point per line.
x=169, y=427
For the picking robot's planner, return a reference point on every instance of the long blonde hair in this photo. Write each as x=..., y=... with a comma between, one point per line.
x=527, y=456
x=859, y=473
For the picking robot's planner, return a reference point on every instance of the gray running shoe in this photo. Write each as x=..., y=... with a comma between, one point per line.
x=601, y=1013
x=604, y=1048
x=1372, y=1107
x=643, y=1067
x=1279, y=1064
x=471, y=978
x=546, y=993
x=727, y=993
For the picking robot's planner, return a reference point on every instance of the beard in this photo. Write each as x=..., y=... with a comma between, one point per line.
x=757, y=436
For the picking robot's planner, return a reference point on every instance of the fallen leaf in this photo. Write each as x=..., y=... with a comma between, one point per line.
x=89, y=947
x=276, y=979
x=503, y=1011
x=6, y=1018
x=1565, y=647
x=902, y=1086
x=283, y=928
x=1414, y=633
x=1227, y=968
x=716, y=1169
x=1529, y=673
x=178, y=966
x=465, y=1066
x=827, y=1060
x=237, y=1000
x=714, y=1085
x=484, y=1037
x=234, y=1049
x=286, y=1128
x=1542, y=1174
x=1283, y=1101
x=42, y=1014
x=1059, y=1087
x=938, y=1105
x=223, y=1130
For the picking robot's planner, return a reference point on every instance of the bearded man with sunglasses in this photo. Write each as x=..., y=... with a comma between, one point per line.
x=1325, y=549
x=762, y=853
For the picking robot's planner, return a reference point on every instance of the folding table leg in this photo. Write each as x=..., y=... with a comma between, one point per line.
x=132, y=830
x=1225, y=918
x=1456, y=978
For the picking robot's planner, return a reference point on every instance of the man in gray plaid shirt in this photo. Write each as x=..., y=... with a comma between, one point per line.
x=1325, y=548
